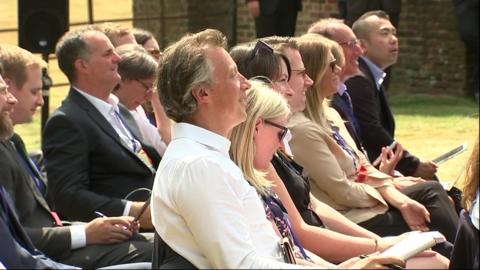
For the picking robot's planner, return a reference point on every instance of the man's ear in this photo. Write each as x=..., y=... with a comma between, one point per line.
x=200, y=93
x=80, y=65
x=363, y=45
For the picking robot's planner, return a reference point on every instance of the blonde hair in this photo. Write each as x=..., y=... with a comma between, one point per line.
x=470, y=187
x=262, y=103
x=16, y=61
x=314, y=49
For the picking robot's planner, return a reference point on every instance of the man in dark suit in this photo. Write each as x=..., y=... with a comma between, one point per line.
x=370, y=104
x=274, y=17
x=93, y=160
x=101, y=242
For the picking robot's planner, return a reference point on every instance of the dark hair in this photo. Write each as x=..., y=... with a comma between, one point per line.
x=264, y=63
x=71, y=47
x=361, y=27
x=142, y=35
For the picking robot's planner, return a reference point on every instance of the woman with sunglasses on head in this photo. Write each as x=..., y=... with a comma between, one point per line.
x=343, y=239
x=259, y=60
x=340, y=174
x=138, y=69
x=254, y=142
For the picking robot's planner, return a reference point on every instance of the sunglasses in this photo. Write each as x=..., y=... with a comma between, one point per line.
x=259, y=46
x=350, y=44
x=263, y=79
x=333, y=64
x=283, y=130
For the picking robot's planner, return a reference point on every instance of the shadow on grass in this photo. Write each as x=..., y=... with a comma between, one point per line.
x=434, y=105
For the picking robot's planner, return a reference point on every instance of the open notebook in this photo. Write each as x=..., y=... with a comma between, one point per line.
x=414, y=243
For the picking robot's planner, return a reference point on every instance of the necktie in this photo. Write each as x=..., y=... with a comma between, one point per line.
x=348, y=100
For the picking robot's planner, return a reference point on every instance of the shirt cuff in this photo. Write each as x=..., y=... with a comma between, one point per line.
x=126, y=211
x=78, y=236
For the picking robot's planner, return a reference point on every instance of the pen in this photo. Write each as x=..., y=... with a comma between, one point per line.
x=99, y=214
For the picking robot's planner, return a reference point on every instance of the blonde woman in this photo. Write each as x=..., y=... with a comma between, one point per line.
x=254, y=143
x=340, y=174
x=465, y=251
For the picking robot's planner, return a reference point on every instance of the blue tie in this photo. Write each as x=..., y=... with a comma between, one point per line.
x=348, y=100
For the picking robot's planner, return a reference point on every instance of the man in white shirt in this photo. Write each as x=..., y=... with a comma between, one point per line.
x=202, y=207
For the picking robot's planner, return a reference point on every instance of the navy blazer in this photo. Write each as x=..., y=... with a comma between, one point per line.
x=377, y=125
x=17, y=250
x=89, y=167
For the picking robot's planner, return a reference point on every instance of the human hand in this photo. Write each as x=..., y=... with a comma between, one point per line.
x=415, y=215
x=426, y=170
x=390, y=159
x=108, y=230
x=406, y=181
x=253, y=8
x=372, y=261
x=145, y=220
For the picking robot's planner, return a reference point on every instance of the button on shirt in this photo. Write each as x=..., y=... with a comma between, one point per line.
x=205, y=210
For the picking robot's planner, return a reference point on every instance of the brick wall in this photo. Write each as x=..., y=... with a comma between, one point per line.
x=432, y=57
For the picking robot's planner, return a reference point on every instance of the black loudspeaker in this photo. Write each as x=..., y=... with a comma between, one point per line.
x=41, y=23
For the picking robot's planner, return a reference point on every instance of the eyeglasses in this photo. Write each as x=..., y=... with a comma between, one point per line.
x=350, y=44
x=333, y=64
x=155, y=53
x=148, y=88
x=283, y=130
x=300, y=71
x=259, y=47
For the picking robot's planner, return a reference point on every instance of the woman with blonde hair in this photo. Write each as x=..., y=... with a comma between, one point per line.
x=254, y=143
x=465, y=250
x=341, y=175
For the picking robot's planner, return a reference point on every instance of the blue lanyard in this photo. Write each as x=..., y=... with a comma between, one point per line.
x=342, y=143
x=278, y=211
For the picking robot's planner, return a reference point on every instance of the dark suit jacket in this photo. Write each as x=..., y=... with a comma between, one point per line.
x=17, y=249
x=32, y=209
x=377, y=125
x=88, y=166
x=342, y=108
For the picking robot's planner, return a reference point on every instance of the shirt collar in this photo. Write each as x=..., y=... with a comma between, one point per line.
x=378, y=74
x=341, y=88
x=202, y=136
x=106, y=108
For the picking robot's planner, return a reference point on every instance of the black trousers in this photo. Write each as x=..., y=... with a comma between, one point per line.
x=432, y=195
x=282, y=22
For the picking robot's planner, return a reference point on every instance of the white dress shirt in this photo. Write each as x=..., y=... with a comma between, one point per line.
x=109, y=109
x=205, y=210
x=149, y=132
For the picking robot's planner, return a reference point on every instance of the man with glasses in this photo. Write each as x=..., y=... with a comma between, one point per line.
x=95, y=163
x=365, y=98
x=138, y=69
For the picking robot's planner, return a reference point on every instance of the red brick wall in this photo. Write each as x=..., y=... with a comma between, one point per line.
x=432, y=57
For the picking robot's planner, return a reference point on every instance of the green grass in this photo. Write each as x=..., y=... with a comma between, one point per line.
x=430, y=125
